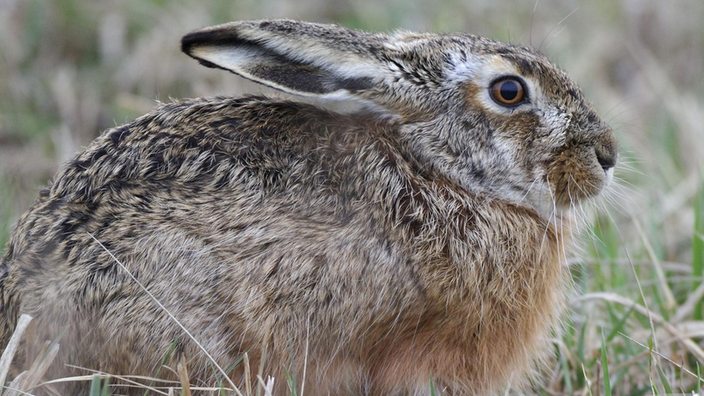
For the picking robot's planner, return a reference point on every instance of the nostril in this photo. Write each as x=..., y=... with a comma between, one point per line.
x=606, y=160
x=606, y=150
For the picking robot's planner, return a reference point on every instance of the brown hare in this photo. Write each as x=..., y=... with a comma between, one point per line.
x=419, y=236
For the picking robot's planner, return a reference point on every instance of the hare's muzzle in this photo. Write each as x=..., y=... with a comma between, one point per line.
x=607, y=152
x=583, y=169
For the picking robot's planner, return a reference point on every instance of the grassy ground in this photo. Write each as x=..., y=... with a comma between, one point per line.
x=72, y=68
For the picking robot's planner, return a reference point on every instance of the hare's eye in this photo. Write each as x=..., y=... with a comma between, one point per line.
x=508, y=92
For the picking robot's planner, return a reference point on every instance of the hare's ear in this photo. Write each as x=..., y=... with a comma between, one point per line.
x=297, y=57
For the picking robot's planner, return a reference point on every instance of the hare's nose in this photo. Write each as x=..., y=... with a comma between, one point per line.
x=607, y=152
x=606, y=160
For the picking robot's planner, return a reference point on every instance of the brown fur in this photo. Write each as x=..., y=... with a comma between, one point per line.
x=358, y=243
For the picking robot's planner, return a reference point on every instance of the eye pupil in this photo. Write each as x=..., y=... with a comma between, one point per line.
x=509, y=90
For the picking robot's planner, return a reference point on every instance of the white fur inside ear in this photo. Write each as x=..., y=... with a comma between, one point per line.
x=241, y=61
x=265, y=51
x=344, y=64
x=227, y=58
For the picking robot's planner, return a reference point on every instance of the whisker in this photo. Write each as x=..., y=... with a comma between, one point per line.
x=530, y=187
x=554, y=37
x=532, y=16
x=626, y=99
x=554, y=27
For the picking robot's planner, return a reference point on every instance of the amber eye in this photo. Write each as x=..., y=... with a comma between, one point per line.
x=508, y=91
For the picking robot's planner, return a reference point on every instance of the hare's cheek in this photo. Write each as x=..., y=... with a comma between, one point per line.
x=575, y=175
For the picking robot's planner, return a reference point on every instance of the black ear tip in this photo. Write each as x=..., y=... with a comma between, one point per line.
x=191, y=40
x=219, y=36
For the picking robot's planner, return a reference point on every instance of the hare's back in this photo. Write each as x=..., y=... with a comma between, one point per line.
x=205, y=161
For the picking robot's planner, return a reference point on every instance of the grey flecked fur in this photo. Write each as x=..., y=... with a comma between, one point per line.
x=424, y=235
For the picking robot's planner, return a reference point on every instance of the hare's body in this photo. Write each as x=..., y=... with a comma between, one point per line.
x=229, y=241
x=325, y=243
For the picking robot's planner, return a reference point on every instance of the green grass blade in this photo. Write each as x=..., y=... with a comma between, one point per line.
x=566, y=373
x=106, y=387
x=654, y=388
x=651, y=363
x=605, y=367
x=166, y=358
x=581, y=379
x=660, y=303
x=663, y=380
x=236, y=363
x=586, y=380
x=95, y=386
x=618, y=327
x=291, y=383
x=642, y=391
x=292, y=378
x=432, y=386
x=698, y=247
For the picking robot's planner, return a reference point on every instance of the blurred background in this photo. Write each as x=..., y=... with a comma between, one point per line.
x=70, y=69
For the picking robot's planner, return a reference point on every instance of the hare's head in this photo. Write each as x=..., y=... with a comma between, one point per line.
x=499, y=119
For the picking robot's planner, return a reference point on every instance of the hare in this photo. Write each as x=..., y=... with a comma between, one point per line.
x=421, y=237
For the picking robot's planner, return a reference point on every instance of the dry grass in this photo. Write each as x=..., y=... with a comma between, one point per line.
x=70, y=69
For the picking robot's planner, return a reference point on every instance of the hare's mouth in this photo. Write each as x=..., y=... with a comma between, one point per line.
x=576, y=176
